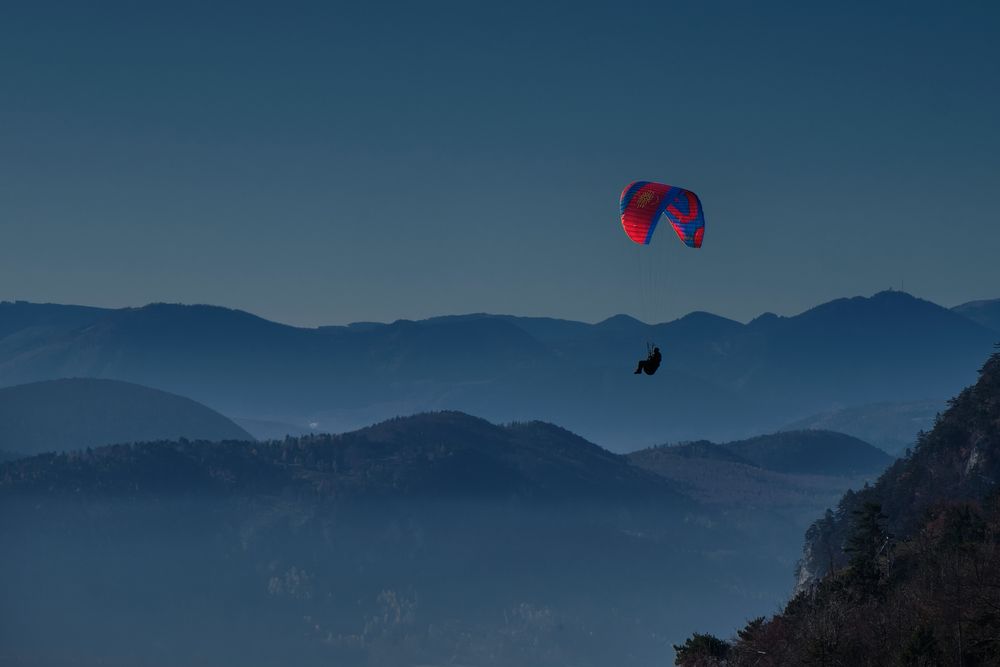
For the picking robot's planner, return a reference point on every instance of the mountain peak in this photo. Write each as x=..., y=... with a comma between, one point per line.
x=765, y=319
x=621, y=320
x=451, y=419
x=703, y=316
x=428, y=455
x=877, y=302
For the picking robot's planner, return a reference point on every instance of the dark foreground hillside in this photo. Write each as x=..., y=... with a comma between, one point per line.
x=439, y=539
x=60, y=415
x=906, y=571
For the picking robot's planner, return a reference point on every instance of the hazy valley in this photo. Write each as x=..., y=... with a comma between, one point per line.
x=146, y=528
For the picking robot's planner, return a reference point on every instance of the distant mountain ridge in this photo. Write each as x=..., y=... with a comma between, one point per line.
x=77, y=413
x=699, y=449
x=797, y=474
x=892, y=426
x=808, y=452
x=812, y=452
x=720, y=379
x=985, y=312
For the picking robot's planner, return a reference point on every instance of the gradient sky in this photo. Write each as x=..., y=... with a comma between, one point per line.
x=326, y=163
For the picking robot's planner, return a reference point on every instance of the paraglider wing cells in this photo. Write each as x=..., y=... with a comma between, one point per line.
x=643, y=202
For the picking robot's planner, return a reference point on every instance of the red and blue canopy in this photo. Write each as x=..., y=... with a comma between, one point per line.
x=643, y=202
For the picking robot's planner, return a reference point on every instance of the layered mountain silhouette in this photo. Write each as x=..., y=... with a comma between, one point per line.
x=76, y=413
x=267, y=429
x=720, y=379
x=796, y=474
x=807, y=452
x=812, y=452
x=431, y=455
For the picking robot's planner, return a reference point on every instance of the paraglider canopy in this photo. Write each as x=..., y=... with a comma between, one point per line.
x=643, y=202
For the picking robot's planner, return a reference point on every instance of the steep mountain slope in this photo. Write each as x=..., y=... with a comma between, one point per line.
x=906, y=571
x=63, y=415
x=959, y=459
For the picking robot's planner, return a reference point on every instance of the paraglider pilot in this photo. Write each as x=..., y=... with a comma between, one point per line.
x=650, y=363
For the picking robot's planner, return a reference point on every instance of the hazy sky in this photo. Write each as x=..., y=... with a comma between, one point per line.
x=325, y=163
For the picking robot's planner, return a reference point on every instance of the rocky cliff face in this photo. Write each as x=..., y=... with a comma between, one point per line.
x=905, y=571
x=958, y=460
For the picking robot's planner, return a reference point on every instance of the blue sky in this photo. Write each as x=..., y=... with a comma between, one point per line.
x=326, y=163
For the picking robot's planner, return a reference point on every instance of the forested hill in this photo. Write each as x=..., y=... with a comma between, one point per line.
x=433, y=539
x=906, y=571
x=812, y=452
x=432, y=455
x=807, y=452
x=792, y=475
